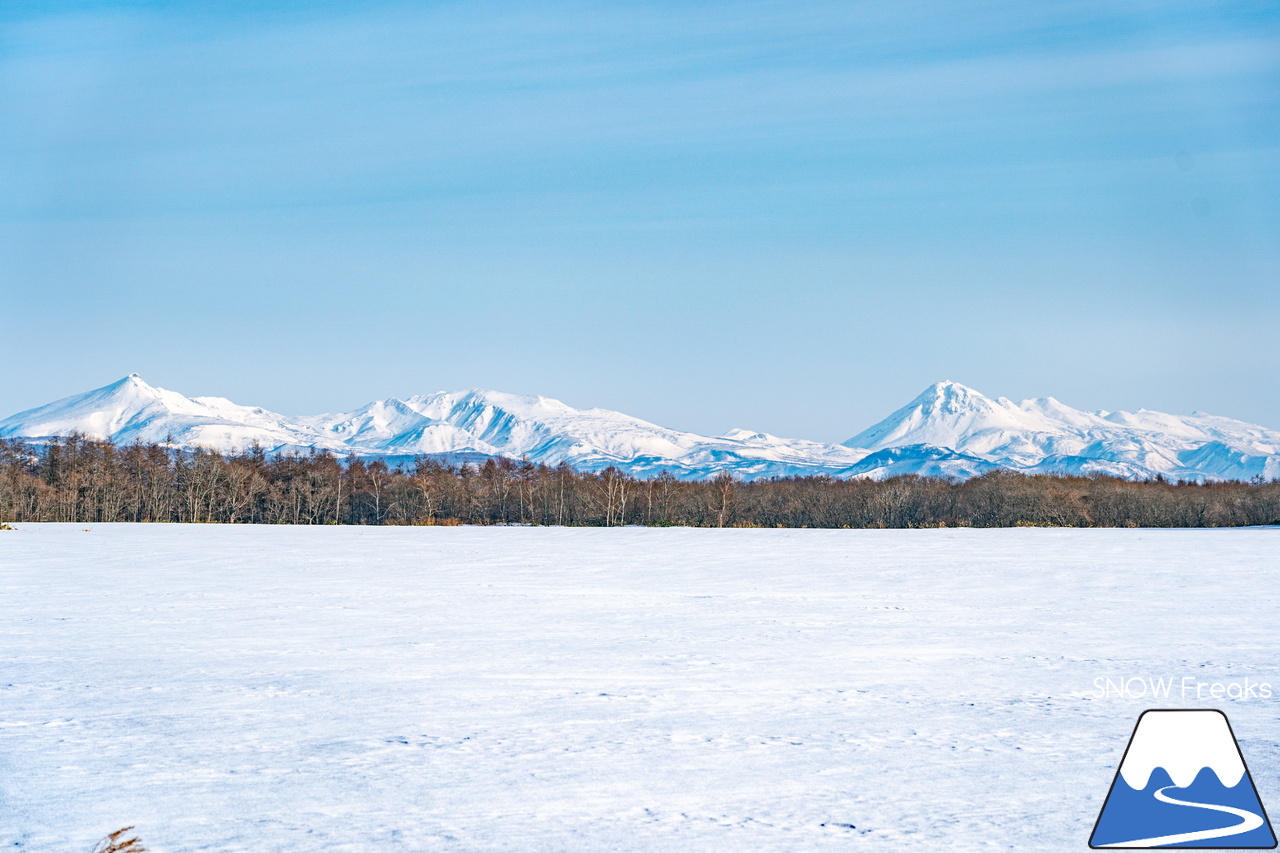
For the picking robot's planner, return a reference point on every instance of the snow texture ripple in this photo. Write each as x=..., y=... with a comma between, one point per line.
x=240, y=688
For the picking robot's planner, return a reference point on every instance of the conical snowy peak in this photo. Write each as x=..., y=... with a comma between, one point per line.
x=949, y=396
x=131, y=390
x=1045, y=435
x=100, y=413
x=946, y=414
x=131, y=410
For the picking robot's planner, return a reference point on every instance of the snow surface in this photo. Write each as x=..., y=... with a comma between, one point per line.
x=237, y=688
x=947, y=431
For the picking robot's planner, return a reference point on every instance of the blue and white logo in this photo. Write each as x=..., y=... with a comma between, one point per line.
x=1183, y=783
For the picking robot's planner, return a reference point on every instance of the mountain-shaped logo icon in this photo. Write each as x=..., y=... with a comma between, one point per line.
x=1183, y=783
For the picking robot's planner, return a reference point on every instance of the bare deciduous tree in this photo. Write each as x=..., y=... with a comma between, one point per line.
x=80, y=480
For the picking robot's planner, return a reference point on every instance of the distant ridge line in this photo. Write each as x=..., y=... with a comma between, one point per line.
x=949, y=430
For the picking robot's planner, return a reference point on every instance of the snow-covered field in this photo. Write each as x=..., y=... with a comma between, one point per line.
x=538, y=689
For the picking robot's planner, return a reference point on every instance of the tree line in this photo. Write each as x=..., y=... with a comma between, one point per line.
x=77, y=479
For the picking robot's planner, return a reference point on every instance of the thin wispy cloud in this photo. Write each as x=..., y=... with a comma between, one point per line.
x=587, y=142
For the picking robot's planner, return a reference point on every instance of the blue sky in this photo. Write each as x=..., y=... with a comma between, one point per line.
x=786, y=216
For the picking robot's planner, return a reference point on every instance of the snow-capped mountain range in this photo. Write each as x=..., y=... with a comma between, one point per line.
x=948, y=430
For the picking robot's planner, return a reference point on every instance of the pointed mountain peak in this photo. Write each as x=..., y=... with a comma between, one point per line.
x=949, y=386
x=944, y=414
x=102, y=412
x=949, y=397
x=130, y=382
x=948, y=390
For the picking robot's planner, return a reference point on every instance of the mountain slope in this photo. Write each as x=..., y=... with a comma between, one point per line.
x=461, y=425
x=1044, y=435
x=131, y=410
